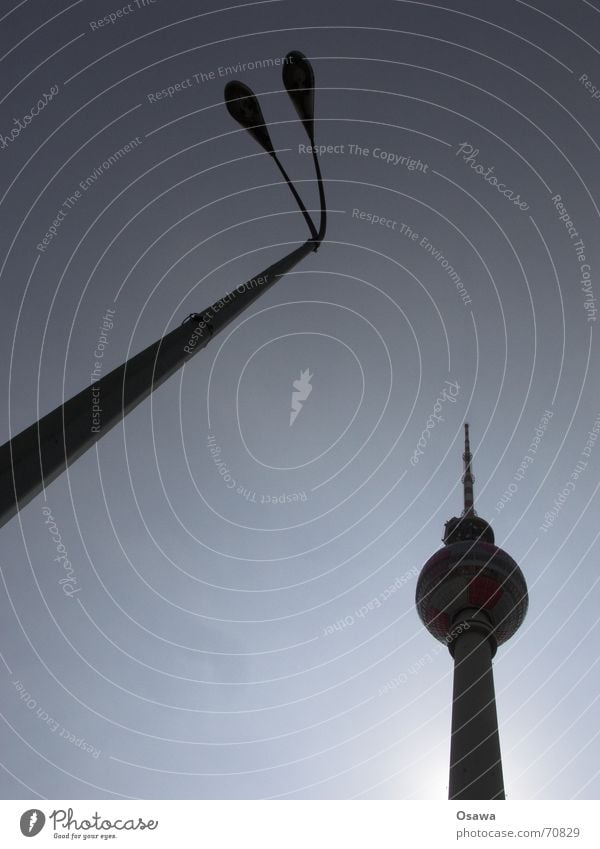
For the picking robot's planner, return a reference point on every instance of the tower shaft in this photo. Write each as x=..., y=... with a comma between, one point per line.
x=475, y=761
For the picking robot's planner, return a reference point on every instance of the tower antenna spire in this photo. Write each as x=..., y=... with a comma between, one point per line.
x=467, y=478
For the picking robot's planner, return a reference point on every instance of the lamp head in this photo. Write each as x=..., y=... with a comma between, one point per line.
x=243, y=106
x=299, y=80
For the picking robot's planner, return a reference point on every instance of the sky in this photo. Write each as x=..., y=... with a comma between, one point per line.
x=217, y=602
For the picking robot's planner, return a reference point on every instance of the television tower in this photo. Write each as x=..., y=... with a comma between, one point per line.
x=472, y=596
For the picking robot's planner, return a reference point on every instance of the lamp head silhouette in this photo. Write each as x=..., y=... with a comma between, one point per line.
x=299, y=80
x=243, y=106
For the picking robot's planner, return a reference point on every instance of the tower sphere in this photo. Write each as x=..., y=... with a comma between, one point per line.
x=471, y=574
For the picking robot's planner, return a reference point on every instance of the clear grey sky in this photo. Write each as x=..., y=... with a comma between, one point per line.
x=260, y=639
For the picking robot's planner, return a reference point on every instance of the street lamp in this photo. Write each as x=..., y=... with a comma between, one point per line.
x=32, y=459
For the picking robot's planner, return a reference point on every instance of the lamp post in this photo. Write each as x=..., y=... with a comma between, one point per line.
x=32, y=459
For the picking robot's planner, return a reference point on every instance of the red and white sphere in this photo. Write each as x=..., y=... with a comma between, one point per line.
x=471, y=575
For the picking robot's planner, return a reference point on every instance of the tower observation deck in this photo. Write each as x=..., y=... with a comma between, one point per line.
x=472, y=596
